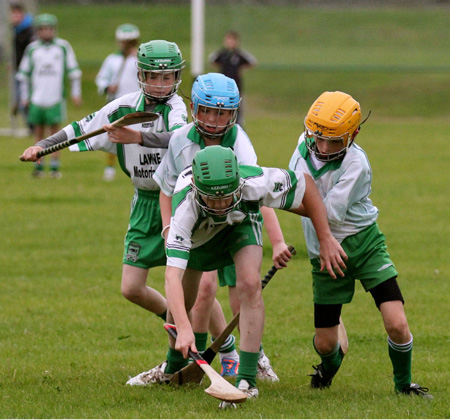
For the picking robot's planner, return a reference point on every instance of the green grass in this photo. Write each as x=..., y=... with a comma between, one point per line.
x=69, y=340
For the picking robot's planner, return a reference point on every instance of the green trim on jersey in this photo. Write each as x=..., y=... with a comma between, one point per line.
x=246, y=172
x=228, y=140
x=179, y=197
x=119, y=113
x=317, y=173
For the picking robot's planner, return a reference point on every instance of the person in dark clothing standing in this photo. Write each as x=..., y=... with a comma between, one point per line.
x=231, y=60
x=23, y=34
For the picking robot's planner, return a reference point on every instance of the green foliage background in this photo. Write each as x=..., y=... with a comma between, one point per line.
x=69, y=340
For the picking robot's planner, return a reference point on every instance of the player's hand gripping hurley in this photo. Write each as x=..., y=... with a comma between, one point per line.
x=129, y=119
x=191, y=373
x=220, y=388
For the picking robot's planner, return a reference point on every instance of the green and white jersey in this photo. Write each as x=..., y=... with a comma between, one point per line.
x=191, y=226
x=345, y=187
x=186, y=142
x=138, y=162
x=118, y=70
x=43, y=70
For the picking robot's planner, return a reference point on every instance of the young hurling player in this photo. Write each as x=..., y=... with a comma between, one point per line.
x=217, y=221
x=44, y=67
x=117, y=77
x=342, y=173
x=214, y=105
x=159, y=68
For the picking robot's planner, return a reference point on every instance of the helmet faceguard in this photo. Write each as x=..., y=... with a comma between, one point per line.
x=217, y=93
x=159, y=66
x=332, y=123
x=216, y=179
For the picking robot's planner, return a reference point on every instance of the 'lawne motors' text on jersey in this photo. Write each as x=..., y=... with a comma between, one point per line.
x=191, y=226
x=137, y=161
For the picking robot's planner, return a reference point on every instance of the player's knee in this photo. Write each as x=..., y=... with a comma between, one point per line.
x=398, y=330
x=249, y=288
x=325, y=343
x=207, y=289
x=131, y=292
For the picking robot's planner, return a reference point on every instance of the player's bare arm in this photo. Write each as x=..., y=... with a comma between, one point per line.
x=332, y=255
x=176, y=306
x=280, y=251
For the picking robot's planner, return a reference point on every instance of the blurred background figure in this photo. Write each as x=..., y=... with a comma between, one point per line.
x=117, y=77
x=231, y=60
x=45, y=65
x=23, y=34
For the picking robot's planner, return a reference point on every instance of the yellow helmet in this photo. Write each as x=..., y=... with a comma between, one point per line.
x=333, y=120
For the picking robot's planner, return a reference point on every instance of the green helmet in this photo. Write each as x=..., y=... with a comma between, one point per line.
x=45, y=19
x=159, y=57
x=127, y=32
x=215, y=173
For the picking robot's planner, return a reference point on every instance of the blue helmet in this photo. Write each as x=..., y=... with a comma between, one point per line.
x=217, y=91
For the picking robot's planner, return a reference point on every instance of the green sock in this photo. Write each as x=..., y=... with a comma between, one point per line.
x=200, y=341
x=401, y=355
x=175, y=361
x=331, y=361
x=163, y=316
x=247, y=367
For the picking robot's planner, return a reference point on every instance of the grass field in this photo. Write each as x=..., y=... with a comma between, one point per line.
x=69, y=340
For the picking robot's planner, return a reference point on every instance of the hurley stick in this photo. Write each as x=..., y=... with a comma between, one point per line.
x=220, y=388
x=129, y=119
x=191, y=373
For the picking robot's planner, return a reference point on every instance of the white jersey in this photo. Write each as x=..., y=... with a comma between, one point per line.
x=118, y=70
x=43, y=70
x=138, y=162
x=191, y=226
x=345, y=186
x=186, y=142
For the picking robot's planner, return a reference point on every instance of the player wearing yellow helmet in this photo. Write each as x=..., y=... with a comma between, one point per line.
x=327, y=151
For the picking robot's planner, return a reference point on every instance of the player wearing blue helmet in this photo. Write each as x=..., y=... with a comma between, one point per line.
x=214, y=105
x=214, y=95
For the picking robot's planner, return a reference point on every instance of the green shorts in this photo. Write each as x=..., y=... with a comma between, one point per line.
x=368, y=261
x=227, y=276
x=52, y=115
x=144, y=246
x=218, y=252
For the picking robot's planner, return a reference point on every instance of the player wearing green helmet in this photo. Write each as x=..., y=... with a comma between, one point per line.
x=208, y=236
x=159, y=66
x=45, y=66
x=140, y=149
x=216, y=180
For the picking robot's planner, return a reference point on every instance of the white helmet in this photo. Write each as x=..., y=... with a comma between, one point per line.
x=127, y=32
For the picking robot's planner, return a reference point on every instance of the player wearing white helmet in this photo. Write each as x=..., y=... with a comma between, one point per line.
x=340, y=168
x=117, y=76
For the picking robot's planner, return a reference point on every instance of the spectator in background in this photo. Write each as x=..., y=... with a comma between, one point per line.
x=23, y=34
x=117, y=77
x=45, y=65
x=231, y=60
